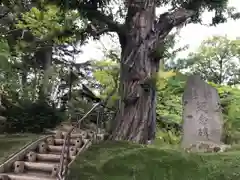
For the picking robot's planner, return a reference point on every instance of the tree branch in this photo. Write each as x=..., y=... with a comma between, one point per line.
x=163, y=26
x=97, y=32
x=94, y=14
x=167, y=21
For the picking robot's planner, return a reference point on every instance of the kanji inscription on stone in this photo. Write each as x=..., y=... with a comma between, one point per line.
x=202, y=116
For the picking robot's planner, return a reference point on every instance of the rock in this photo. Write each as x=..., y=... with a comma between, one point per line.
x=207, y=146
x=202, y=115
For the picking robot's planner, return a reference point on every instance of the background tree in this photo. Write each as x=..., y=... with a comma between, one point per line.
x=169, y=51
x=216, y=60
x=38, y=68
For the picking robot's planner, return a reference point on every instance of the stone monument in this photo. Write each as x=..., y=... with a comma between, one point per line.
x=202, y=115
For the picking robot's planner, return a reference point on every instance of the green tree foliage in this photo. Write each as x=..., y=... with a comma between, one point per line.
x=28, y=31
x=216, y=60
x=169, y=86
x=4, y=52
x=230, y=101
x=169, y=106
x=9, y=80
x=48, y=23
x=107, y=75
x=169, y=52
x=31, y=117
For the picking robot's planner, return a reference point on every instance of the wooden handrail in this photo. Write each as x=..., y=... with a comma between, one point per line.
x=62, y=172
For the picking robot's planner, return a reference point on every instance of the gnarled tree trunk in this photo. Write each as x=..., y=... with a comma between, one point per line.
x=143, y=35
x=135, y=115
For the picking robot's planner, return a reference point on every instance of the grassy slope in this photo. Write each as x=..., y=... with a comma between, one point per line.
x=10, y=144
x=122, y=161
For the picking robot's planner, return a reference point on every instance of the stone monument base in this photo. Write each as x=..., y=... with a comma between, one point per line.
x=207, y=146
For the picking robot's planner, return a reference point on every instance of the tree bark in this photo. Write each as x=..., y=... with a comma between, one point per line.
x=138, y=67
x=134, y=116
x=45, y=57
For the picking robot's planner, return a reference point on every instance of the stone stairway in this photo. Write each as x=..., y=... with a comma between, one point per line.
x=41, y=160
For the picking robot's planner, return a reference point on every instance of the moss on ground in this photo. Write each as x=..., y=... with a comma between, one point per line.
x=123, y=161
x=10, y=144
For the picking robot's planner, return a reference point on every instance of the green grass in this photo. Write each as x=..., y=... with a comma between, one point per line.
x=10, y=144
x=123, y=161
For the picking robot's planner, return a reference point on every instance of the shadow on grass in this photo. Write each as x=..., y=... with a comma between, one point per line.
x=123, y=161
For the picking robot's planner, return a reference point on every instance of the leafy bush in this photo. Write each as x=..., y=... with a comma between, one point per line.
x=167, y=137
x=31, y=117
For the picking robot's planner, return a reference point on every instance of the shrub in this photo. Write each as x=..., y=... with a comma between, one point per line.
x=31, y=117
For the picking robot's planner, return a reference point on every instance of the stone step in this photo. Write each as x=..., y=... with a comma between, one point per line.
x=23, y=176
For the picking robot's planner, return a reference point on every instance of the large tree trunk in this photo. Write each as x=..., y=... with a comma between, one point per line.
x=135, y=114
x=44, y=56
x=139, y=64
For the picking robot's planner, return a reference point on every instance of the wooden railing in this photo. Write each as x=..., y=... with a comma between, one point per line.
x=63, y=169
